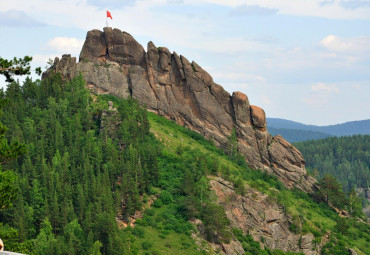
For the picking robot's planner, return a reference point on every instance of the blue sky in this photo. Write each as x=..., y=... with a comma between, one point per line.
x=307, y=61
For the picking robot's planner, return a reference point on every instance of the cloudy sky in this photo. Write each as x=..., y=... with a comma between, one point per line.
x=303, y=60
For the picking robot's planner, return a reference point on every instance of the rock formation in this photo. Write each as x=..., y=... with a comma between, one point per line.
x=113, y=62
x=262, y=218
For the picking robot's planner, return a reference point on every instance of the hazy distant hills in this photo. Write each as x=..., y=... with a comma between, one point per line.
x=297, y=135
x=295, y=131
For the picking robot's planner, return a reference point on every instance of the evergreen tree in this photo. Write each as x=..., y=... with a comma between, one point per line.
x=330, y=191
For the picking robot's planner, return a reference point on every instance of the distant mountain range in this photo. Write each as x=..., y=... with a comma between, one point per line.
x=295, y=131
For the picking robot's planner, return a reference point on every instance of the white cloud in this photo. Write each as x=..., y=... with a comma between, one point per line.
x=64, y=45
x=311, y=8
x=355, y=4
x=247, y=10
x=316, y=102
x=42, y=60
x=14, y=18
x=334, y=43
x=356, y=44
x=111, y=3
x=322, y=87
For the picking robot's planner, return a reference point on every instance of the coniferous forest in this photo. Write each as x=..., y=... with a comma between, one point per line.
x=84, y=179
x=73, y=181
x=347, y=158
x=71, y=177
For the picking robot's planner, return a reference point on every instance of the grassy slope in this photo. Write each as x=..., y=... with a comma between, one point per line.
x=307, y=215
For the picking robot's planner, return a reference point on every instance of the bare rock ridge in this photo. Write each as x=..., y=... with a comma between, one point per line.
x=113, y=62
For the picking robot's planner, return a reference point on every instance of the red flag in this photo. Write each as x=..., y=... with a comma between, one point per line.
x=109, y=15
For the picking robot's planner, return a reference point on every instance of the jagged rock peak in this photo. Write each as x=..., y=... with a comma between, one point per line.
x=112, y=45
x=112, y=61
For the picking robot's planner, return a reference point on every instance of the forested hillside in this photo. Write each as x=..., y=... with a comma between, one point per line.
x=360, y=127
x=346, y=158
x=297, y=135
x=72, y=177
x=94, y=180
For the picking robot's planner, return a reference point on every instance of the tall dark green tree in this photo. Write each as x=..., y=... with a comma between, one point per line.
x=8, y=152
x=330, y=191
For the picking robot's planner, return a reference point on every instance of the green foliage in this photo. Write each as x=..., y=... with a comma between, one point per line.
x=354, y=204
x=307, y=214
x=139, y=232
x=232, y=144
x=8, y=152
x=296, y=135
x=249, y=245
x=335, y=246
x=347, y=158
x=330, y=191
x=10, y=238
x=166, y=197
x=252, y=247
x=8, y=189
x=16, y=66
x=45, y=242
x=239, y=186
x=95, y=249
x=73, y=175
x=76, y=178
x=215, y=222
x=146, y=245
x=158, y=203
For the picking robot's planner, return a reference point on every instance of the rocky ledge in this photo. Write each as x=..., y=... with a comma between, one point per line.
x=113, y=62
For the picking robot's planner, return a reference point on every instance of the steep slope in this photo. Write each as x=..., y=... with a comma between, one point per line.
x=93, y=166
x=260, y=208
x=113, y=62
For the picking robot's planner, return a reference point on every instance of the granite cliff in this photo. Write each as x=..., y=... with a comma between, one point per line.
x=168, y=84
x=255, y=213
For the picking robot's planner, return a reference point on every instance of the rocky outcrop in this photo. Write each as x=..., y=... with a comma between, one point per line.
x=258, y=117
x=170, y=85
x=255, y=214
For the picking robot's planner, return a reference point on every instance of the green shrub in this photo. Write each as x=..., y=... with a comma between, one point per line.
x=146, y=245
x=138, y=231
x=158, y=203
x=149, y=212
x=166, y=197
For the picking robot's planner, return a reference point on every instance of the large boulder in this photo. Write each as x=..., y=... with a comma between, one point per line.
x=241, y=108
x=258, y=117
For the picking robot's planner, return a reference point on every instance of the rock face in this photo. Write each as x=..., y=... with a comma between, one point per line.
x=113, y=62
x=263, y=219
